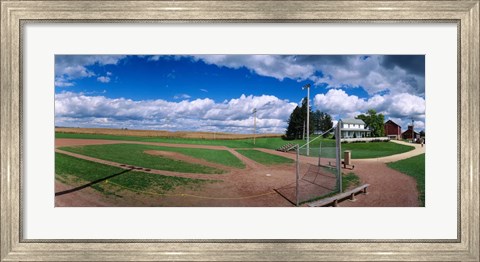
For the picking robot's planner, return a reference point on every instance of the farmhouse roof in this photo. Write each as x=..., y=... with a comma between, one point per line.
x=356, y=129
x=352, y=121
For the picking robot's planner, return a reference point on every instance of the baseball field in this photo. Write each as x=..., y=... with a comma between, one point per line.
x=112, y=167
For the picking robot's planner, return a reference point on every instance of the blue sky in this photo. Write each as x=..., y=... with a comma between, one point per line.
x=218, y=92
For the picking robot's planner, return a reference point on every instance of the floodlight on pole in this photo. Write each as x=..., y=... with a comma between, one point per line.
x=307, y=86
x=254, y=112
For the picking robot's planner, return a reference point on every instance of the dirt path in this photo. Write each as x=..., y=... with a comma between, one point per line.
x=388, y=187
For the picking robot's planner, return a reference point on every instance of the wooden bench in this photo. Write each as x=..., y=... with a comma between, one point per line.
x=350, y=194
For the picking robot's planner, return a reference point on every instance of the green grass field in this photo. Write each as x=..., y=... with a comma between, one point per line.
x=69, y=168
x=359, y=150
x=133, y=154
x=414, y=167
x=264, y=158
x=375, y=149
x=271, y=143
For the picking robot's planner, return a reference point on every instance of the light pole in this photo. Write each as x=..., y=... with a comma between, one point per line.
x=307, y=86
x=254, y=124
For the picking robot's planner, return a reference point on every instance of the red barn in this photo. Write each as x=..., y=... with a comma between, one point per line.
x=410, y=134
x=392, y=130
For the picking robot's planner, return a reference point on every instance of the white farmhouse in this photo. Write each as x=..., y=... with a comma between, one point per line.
x=353, y=128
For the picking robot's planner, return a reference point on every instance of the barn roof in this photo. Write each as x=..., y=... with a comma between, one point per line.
x=409, y=132
x=392, y=122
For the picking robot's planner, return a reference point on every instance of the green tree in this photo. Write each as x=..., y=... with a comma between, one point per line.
x=296, y=121
x=322, y=122
x=374, y=122
x=295, y=125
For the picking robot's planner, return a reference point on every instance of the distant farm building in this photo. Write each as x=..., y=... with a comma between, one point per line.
x=410, y=134
x=353, y=128
x=392, y=130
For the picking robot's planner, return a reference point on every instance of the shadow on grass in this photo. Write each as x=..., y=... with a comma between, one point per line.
x=91, y=183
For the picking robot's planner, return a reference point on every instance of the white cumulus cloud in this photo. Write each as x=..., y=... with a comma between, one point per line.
x=401, y=107
x=235, y=115
x=396, y=74
x=71, y=67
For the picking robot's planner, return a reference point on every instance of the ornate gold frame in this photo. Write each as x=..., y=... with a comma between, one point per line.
x=464, y=13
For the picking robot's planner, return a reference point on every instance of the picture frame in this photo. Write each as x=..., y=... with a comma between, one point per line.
x=463, y=13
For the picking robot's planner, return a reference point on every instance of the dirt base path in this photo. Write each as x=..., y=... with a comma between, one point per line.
x=388, y=187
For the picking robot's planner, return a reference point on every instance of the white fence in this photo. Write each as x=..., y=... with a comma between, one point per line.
x=365, y=139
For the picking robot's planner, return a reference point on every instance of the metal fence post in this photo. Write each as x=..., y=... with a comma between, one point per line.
x=338, y=155
x=297, y=177
x=320, y=154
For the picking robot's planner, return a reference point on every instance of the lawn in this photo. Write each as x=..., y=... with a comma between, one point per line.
x=375, y=149
x=133, y=154
x=269, y=142
x=69, y=168
x=414, y=167
x=264, y=158
x=272, y=143
x=359, y=150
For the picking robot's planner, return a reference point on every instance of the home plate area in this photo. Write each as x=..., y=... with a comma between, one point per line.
x=318, y=181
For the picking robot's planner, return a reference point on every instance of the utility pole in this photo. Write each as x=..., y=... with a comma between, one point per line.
x=307, y=86
x=303, y=133
x=254, y=124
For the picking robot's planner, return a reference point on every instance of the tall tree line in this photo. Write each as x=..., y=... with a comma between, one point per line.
x=319, y=121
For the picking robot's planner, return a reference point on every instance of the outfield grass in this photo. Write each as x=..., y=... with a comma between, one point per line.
x=265, y=142
x=133, y=154
x=375, y=149
x=84, y=171
x=272, y=143
x=359, y=150
x=264, y=158
x=414, y=167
